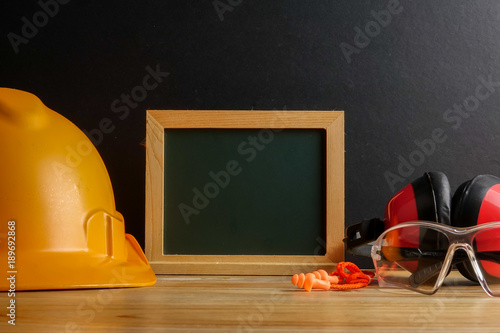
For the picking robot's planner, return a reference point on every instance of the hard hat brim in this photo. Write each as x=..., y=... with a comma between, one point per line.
x=80, y=270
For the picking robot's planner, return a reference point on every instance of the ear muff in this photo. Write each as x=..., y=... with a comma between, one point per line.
x=475, y=202
x=425, y=199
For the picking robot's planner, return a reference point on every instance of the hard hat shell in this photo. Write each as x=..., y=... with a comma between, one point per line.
x=59, y=228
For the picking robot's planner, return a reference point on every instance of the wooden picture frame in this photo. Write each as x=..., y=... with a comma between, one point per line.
x=332, y=122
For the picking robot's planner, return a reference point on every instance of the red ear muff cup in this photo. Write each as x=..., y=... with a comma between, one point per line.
x=402, y=207
x=476, y=202
x=425, y=199
x=489, y=241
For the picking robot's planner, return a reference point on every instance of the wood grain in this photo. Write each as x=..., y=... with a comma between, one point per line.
x=245, y=119
x=154, y=185
x=253, y=304
x=157, y=120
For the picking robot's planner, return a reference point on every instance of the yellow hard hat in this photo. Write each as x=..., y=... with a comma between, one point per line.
x=59, y=228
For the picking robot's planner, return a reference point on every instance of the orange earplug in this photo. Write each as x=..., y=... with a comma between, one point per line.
x=324, y=276
x=340, y=280
x=312, y=282
x=316, y=280
x=298, y=279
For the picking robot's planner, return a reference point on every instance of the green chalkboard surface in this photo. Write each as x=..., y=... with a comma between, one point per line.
x=244, y=191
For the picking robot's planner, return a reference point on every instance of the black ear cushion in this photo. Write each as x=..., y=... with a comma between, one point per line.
x=457, y=217
x=432, y=197
x=433, y=200
x=465, y=268
x=466, y=204
x=468, y=199
x=442, y=196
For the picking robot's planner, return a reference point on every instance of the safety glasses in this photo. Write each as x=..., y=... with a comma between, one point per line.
x=418, y=255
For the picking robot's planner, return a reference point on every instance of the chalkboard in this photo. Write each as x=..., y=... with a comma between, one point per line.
x=244, y=192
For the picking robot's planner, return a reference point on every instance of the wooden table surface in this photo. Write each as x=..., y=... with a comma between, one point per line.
x=253, y=304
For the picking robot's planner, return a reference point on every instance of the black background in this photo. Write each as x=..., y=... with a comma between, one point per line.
x=273, y=55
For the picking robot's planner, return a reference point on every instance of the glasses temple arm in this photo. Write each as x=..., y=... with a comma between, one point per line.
x=424, y=274
x=359, y=235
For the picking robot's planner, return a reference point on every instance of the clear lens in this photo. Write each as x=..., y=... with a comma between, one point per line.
x=486, y=245
x=412, y=257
